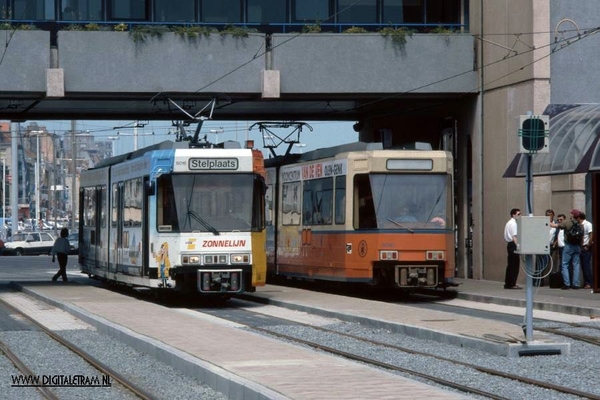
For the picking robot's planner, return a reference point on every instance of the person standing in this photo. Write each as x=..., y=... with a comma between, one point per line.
x=61, y=250
x=513, y=260
x=586, y=251
x=571, y=252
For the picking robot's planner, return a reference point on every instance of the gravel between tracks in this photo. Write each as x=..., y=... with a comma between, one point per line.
x=577, y=371
x=35, y=348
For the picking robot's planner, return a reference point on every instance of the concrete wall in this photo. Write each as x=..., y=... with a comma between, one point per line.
x=371, y=63
x=25, y=57
x=574, y=67
x=114, y=62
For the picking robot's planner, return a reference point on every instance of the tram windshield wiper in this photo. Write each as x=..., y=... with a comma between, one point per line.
x=401, y=225
x=203, y=222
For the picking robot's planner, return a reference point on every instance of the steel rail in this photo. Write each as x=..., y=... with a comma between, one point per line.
x=94, y=362
x=20, y=365
x=489, y=371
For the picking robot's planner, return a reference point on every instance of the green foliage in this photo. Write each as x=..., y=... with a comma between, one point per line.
x=26, y=27
x=92, y=27
x=73, y=27
x=355, y=29
x=141, y=32
x=122, y=27
x=316, y=28
x=398, y=35
x=193, y=31
x=236, y=31
x=441, y=30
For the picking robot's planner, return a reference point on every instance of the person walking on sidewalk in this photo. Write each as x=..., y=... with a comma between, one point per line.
x=513, y=260
x=586, y=251
x=571, y=252
x=61, y=250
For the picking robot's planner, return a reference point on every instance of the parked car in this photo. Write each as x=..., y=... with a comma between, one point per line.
x=74, y=242
x=29, y=243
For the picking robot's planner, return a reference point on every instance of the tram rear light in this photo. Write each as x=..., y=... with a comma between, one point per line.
x=435, y=255
x=385, y=255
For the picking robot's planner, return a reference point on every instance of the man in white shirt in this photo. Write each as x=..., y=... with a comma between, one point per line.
x=586, y=251
x=513, y=260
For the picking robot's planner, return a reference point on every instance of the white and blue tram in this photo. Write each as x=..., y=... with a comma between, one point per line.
x=175, y=218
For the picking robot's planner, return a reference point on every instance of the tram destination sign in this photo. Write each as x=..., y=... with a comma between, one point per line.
x=213, y=164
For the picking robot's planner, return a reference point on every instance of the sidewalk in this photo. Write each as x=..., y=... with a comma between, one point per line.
x=578, y=302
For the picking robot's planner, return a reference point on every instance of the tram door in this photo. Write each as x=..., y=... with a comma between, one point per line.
x=116, y=223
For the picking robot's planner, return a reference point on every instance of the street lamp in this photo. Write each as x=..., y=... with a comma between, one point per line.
x=37, y=214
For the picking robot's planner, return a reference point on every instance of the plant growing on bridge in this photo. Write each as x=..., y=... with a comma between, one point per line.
x=355, y=29
x=122, y=27
x=192, y=32
x=316, y=28
x=141, y=32
x=398, y=35
x=236, y=31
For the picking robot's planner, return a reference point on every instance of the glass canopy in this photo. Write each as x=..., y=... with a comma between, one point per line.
x=573, y=143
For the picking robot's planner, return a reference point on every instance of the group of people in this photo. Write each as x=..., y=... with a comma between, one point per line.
x=573, y=254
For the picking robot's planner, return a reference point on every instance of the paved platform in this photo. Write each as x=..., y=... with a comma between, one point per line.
x=264, y=368
x=241, y=364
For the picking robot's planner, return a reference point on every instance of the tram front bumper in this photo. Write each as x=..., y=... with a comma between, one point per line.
x=220, y=281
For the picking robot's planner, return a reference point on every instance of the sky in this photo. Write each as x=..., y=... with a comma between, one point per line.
x=324, y=133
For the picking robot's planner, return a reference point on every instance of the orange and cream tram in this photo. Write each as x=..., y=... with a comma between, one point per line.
x=358, y=213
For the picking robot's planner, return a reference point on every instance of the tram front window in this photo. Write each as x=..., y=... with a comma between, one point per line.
x=395, y=201
x=205, y=202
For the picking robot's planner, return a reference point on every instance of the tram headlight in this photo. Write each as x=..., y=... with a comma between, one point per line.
x=240, y=258
x=187, y=259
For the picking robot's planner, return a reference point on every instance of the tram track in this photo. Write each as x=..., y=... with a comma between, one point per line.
x=559, y=330
x=329, y=344
x=44, y=388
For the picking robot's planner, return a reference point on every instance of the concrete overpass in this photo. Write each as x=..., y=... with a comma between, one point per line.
x=112, y=75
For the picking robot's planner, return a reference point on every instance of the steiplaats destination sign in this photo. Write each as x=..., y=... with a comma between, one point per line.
x=213, y=164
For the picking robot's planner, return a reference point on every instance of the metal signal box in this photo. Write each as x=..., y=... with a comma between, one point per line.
x=533, y=235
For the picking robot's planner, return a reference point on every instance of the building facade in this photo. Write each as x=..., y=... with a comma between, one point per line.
x=453, y=73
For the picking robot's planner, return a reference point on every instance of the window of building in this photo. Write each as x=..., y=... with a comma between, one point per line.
x=222, y=11
x=174, y=11
x=265, y=11
x=349, y=11
x=443, y=11
x=81, y=10
x=311, y=10
x=128, y=9
x=33, y=9
x=393, y=11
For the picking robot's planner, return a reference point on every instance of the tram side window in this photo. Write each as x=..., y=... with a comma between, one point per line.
x=103, y=206
x=340, y=199
x=166, y=207
x=115, y=204
x=89, y=206
x=132, y=210
x=290, y=201
x=317, y=205
x=364, y=211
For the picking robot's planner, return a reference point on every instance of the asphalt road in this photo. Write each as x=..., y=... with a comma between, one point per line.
x=34, y=268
